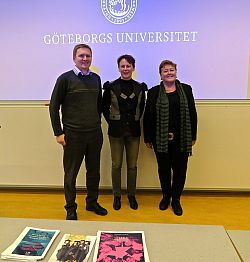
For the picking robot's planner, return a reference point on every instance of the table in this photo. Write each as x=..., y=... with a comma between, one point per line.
x=165, y=242
x=241, y=241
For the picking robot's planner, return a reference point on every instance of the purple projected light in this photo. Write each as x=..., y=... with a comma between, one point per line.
x=208, y=40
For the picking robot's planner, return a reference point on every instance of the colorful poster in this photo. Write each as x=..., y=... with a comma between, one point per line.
x=31, y=244
x=120, y=246
x=75, y=248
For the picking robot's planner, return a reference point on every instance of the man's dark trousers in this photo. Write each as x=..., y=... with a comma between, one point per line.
x=79, y=146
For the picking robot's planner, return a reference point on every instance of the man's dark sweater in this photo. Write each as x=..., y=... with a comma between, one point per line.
x=79, y=98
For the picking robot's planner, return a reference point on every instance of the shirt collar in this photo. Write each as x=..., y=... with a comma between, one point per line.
x=77, y=71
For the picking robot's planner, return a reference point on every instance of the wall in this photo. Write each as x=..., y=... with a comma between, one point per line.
x=30, y=157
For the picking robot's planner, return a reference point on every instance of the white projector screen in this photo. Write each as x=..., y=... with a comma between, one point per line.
x=209, y=41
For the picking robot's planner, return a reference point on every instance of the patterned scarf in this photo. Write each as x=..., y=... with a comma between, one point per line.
x=162, y=120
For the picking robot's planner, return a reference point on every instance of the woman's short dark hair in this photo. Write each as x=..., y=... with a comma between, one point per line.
x=167, y=62
x=129, y=58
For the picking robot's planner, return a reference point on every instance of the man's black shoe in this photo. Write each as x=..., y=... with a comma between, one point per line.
x=164, y=203
x=132, y=202
x=71, y=215
x=117, y=203
x=176, y=205
x=99, y=210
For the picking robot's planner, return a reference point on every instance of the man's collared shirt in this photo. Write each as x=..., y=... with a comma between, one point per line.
x=77, y=71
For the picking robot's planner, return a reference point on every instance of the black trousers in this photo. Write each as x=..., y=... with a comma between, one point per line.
x=172, y=168
x=79, y=146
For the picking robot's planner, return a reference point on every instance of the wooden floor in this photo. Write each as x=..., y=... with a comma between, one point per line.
x=227, y=209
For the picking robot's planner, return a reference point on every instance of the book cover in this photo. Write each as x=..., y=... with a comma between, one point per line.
x=75, y=248
x=121, y=246
x=32, y=244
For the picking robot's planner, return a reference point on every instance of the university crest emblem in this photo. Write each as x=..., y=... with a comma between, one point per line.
x=118, y=11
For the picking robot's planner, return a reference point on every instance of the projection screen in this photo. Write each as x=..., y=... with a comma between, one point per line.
x=209, y=41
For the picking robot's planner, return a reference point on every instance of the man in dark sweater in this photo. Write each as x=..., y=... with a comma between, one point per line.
x=77, y=95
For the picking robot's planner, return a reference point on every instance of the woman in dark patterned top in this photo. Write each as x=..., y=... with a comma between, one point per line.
x=123, y=105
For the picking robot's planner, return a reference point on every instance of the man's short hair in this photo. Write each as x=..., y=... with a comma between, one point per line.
x=80, y=46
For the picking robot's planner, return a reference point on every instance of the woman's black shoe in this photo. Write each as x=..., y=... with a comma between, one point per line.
x=117, y=203
x=176, y=205
x=71, y=215
x=164, y=203
x=132, y=202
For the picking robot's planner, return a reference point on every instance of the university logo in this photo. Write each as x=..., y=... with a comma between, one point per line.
x=118, y=11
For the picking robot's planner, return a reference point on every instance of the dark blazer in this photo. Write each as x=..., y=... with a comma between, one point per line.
x=127, y=110
x=149, y=119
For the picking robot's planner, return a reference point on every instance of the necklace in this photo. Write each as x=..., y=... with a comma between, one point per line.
x=170, y=89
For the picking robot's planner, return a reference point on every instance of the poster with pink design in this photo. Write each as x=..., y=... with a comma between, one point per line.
x=121, y=246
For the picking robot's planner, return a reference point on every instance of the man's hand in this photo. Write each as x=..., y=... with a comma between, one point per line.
x=60, y=140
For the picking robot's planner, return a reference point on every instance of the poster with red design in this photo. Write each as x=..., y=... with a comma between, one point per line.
x=121, y=246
